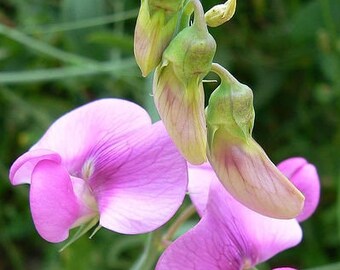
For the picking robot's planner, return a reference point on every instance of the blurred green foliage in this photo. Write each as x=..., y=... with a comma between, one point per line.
x=58, y=54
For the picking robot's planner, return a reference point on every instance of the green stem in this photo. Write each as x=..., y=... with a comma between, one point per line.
x=149, y=103
x=151, y=252
x=223, y=73
x=199, y=19
x=187, y=213
x=18, y=77
x=44, y=48
x=69, y=26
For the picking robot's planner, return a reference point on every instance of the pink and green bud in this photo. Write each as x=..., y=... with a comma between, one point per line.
x=155, y=26
x=178, y=88
x=220, y=14
x=240, y=163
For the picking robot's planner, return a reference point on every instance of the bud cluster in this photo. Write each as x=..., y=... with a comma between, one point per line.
x=181, y=54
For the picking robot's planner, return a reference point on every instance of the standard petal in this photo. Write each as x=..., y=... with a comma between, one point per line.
x=75, y=133
x=181, y=107
x=305, y=177
x=53, y=203
x=22, y=168
x=229, y=236
x=140, y=182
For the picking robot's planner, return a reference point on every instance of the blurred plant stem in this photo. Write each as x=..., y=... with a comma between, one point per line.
x=17, y=77
x=328, y=19
x=76, y=25
x=334, y=266
x=157, y=240
x=151, y=252
x=14, y=98
x=45, y=48
x=184, y=216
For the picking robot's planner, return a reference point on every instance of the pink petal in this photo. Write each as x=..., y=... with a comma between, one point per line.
x=53, y=203
x=21, y=170
x=140, y=182
x=305, y=177
x=200, y=178
x=75, y=133
x=229, y=236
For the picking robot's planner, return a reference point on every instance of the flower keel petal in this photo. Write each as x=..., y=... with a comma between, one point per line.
x=53, y=203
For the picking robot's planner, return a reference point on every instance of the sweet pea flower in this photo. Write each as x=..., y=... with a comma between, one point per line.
x=229, y=235
x=103, y=162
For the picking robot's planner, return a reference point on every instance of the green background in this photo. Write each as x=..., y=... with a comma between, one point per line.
x=56, y=55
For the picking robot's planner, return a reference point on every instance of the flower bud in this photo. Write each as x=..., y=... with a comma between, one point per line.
x=181, y=107
x=155, y=26
x=178, y=88
x=220, y=14
x=239, y=162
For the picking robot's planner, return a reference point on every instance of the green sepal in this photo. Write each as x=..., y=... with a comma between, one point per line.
x=80, y=232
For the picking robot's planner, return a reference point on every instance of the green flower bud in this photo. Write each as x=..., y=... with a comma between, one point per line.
x=155, y=26
x=191, y=52
x=240, y=163
x=178, y=88
x=220, y=14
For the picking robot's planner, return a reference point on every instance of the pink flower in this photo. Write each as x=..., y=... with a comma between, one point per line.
x=229, y=235
x=103, y=162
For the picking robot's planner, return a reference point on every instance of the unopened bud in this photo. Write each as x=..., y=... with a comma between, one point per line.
x=181, y=107
x=239, y=162
x=220, y=14
x=178, y=88
x=155, y=26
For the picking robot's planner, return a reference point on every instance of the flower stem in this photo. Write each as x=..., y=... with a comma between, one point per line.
x=187, y=213
x=151, y=252
x=199, y=19
x=223, y=73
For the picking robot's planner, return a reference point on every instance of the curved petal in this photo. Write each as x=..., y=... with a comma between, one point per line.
x=305, y=177
x=54, y=205
x=229, y=236
x=289, y=166
x=200, y=178
x=21, y=170
x=140, y=182
x=75, y=133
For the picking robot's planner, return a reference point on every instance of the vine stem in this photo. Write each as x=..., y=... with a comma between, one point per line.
x=45, y=48
x=199, y=18
x=223, y=73
x=185, y=215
